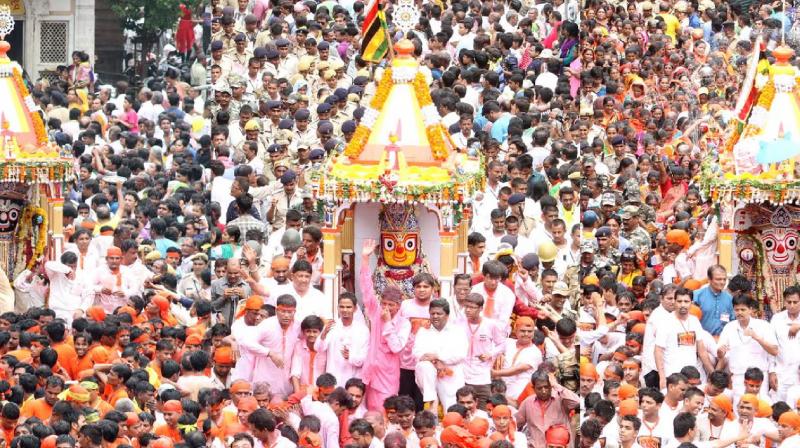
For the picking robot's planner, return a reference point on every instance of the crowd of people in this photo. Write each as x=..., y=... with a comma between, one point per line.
x=676, y=351
x=186, y=310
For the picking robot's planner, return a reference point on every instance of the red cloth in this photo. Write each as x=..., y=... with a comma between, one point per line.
x=184, y=38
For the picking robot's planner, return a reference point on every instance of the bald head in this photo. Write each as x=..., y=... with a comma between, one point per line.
x=376, y=420
x=395, y=439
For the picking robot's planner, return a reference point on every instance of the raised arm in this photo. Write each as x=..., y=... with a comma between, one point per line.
x=365, y=279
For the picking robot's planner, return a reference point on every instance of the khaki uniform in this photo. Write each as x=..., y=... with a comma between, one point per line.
x=283, y=204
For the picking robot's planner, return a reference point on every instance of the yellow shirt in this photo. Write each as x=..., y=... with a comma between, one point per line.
x=672, y=23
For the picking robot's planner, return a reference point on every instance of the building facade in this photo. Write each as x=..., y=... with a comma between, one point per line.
x=48, y=31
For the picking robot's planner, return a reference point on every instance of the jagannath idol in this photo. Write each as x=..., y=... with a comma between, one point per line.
x=401, y=256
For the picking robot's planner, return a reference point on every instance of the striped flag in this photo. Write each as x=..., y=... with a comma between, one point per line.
x=376, y=42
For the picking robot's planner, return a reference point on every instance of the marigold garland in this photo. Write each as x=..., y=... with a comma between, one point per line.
x=422, y=91
x=435, y=136
x=38, y=123
x=767, y=95
x=361, y=136
x=24, y=235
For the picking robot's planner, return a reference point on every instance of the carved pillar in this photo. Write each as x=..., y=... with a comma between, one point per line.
x=331, y=252
x=447, y=262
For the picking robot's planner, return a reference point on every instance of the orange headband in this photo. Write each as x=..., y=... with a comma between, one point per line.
x=724, y=403
x=630, y=364
x=791, y=419
x=285, y=308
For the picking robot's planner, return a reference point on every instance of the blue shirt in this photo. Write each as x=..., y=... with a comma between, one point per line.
x=717, y=309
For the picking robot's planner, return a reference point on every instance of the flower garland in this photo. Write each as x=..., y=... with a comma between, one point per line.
x=361, y=135
x=38, y=123
x=434, y=132
x=26, y=233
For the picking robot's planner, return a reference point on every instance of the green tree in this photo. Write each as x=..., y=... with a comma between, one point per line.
x=148, y=19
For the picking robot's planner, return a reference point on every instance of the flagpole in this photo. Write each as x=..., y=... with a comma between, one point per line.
x=386, y=30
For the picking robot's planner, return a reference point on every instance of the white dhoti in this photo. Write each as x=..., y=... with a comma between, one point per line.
x=432, y=386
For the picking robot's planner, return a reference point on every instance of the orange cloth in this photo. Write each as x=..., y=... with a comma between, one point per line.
x=253, y=303
x=588, y=369
x=679, y=237
x=478, y=426
x=723, y=402
x=452, y=418
x=112, y=396
x=488, y=307
x=67, y=358
x=502, y=410
x=628, y=407
x=36, y=408
x=460, y=437
x=791, y=419
x=557, y=435
x=173, y=434
x=627, y=391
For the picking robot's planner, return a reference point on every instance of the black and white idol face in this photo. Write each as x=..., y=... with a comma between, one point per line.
x=10, y=211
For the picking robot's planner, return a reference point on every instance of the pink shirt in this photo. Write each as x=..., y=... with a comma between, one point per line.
x=411, y=309
x=267, y=337
x=301, y=363
x=486, y=337
x=386, y=340
x=103, y=279
x=245, y=365
x=504, y=300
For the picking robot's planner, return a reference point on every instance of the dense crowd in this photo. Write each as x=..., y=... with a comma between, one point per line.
x=675, y=350
x=186, y=310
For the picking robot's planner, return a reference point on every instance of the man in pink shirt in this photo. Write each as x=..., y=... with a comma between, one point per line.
x=111, y=288
x=498, y=298
x=417, y=312
x=273, y=343
x=244, y=328
x=486, y=340
x=389, y=335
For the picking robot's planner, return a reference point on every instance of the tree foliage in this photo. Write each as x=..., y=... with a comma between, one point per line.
x=157, y=15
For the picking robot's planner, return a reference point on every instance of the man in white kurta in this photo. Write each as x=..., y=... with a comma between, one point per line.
x=65, y=291
x=786, y=325
x=347, y=342
x=440, y=352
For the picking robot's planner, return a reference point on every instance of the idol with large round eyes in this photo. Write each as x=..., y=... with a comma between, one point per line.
x=780, y=246
x=10, y=212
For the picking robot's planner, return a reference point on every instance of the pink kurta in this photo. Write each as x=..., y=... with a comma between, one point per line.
x=105, y=279
x=268, y=336
x=301, y=363
x=386, y=340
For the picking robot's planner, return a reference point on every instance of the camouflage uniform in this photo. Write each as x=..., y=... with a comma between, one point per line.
x=567, y=370
x=639, y=239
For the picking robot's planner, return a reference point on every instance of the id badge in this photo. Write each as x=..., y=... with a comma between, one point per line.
x=725, y=317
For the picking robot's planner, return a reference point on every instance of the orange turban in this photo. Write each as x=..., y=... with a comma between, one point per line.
x=193, y=339
x=96, y=313
x=628, y=407
x=750, y=398
x=764, y=409
x=224, y=355
x=523, y=320
x=791, y=419
x=247, y=404
x=253, y=303
x=588, y=369
x=114, y=251
x=638, y=328
x=173, y=406
x=557, y=435
x=452, y=418
x=679, y=237
x=75, y=393
x=502, y=410
x=627, y=391
x=127, y=310
x=478, y=426
x=241, y=386
x=459, y=437
x=723, y=402
x=695, y=311
x=280, y=263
